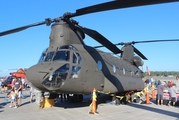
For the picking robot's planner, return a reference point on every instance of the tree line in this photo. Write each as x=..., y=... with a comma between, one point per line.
x=162, y=73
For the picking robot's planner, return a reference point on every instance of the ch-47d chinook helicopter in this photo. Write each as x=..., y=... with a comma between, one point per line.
x=68, y=65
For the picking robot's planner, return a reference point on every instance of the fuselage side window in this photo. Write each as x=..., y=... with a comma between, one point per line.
x=114, y=68
x=99, y=65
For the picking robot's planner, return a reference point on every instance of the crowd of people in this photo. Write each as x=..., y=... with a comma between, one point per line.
x=172, y=88
x=14, y=91
x=169, y=88
x=18, y=85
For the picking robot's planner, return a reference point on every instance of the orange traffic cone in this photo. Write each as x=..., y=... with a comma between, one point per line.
x=153, y=94
x=147, y=98
x=93, y=104
x=153, y=91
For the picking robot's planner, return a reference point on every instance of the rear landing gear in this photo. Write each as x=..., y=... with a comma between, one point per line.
x=119, y=100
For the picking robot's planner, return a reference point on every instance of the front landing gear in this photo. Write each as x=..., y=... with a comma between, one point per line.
x=49, y=101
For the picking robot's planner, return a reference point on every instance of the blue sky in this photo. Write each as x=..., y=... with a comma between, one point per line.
x=153, y=22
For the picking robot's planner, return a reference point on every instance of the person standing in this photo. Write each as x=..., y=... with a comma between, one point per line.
x=23, y=83
x=176, y=82
x=170, y=84
x=173, y=94
x=18, y=90
x=12, y=83
x=160, y=89
x=0, y=86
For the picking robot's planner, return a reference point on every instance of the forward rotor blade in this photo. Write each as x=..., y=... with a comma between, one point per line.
x=47, y=21
x=102, y=40
x=118, y=4
x=98, y=46
x=20, y=28
x=133, y=42
x=139, y=53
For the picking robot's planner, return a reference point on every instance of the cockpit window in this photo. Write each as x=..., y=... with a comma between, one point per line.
x=75, y=72
x=70, y=47
x=79, y=58
x=49, y=56
x=76, y=58
x=62, y=70
x=57, y=78
x=62, y=56
x=42, y=56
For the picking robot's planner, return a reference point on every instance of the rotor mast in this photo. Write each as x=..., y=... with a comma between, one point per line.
x=62, y=34
x=127, y=53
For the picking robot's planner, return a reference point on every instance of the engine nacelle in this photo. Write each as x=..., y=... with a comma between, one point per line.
x=137, y=61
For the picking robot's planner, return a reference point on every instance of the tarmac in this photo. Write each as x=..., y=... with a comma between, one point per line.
x=79, y=111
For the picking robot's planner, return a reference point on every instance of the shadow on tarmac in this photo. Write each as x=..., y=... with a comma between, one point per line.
x=100, y=100
x=24, y=103
x=3, y=104
x=103, y=98
x=1, y=111
x=86, y=102
x=2, y=97
x=157, y=110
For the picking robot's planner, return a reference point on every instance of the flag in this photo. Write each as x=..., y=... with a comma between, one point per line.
x=148, y=71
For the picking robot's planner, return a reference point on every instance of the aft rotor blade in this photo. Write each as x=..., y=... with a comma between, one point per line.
x=102, y=40
x=171, y=40
x=122, y=43
x=118, y=4
x=139, y=53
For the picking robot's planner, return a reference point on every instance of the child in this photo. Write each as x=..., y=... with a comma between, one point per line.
x=13, y=97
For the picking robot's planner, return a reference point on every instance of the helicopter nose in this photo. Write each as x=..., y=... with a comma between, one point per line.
x=48, y=76
x=34, y=77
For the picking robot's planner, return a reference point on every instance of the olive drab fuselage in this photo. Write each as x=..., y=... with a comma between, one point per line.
x=70, y=66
